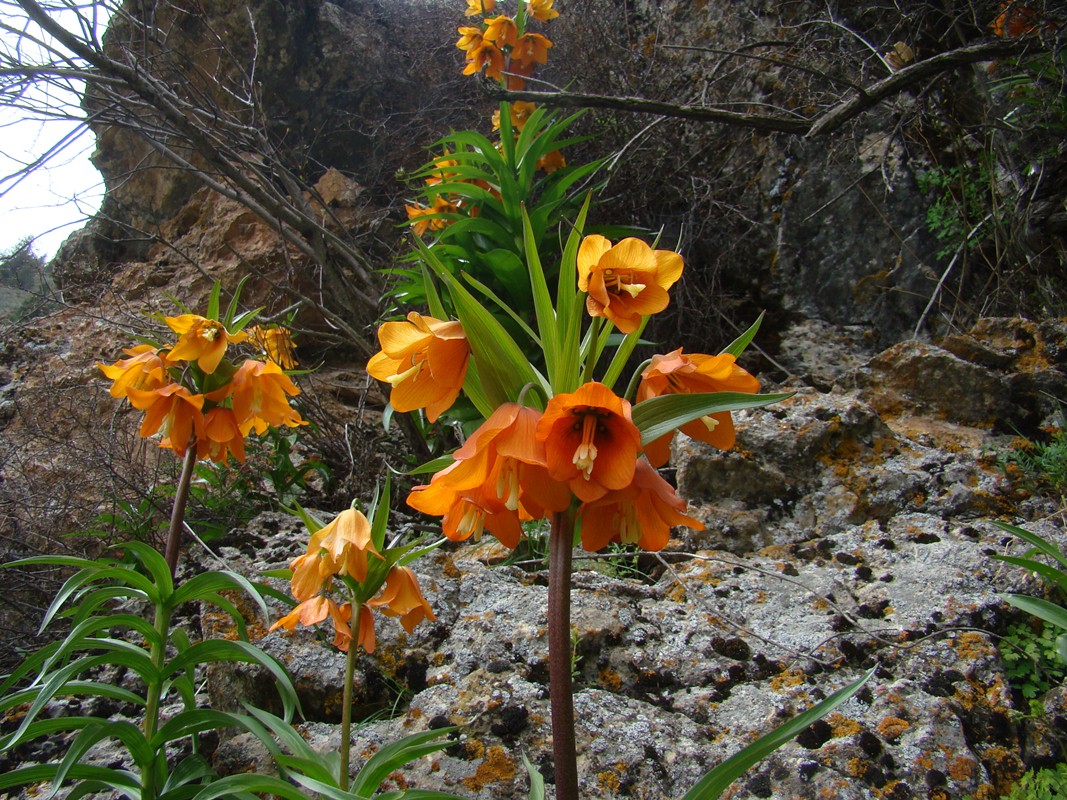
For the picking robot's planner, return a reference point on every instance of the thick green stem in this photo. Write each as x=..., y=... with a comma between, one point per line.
x=564, y=754
x=346, y=700
x=177, y=512
x=153, y=774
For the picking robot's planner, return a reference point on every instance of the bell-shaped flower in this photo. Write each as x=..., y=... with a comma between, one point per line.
x=479, y=7
x=466, y=513
x=423, y=218
x=627, y=281
x=346, y=543
x=676, y=373
x=552, y=161
x=171, y=410
x=501, y=31
x=403, y=598
x=201, y=340
x=529, y=49
x=499, y=477
x=541, y=10
x=146, y=369
x=519, y=112
x=277, y=343
x=591, y=442
x=259, y=393
x=643, y=513
x=315, y=610
x=425, y=361
x=222, y=436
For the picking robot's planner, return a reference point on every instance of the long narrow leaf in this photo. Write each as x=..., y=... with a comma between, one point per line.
x=1042, y=609
x=223, y=650
x=1051, y=574
x=715, y=782
x=233, y=786
x=205, y=584
x=547, y=323
x=660, y=415
x=46, y=772
x=395, y=755
x=1044, y=546
x=738, y=345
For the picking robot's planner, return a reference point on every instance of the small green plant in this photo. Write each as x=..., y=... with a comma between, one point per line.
x=1049, y=783
x=1044, y=464
x=1037, y=657
x=1031, y=660
x=960, y=203
x=104, y=632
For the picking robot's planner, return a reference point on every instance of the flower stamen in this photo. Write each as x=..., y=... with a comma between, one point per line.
x=585, y=453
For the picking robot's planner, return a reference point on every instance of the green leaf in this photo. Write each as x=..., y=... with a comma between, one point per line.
x=481, y=287
x=547, y=324
x=1049, y=573
x=395, y=755
x=193, y=768
x=503, y=369
x=715, y=782
x=207, y=584
x=738, y=345
x=1042, y=609
x=215, y=650
x=112, y=778
x=379, y=520
x=1033, y=539
x=232, y=786
x=537, y=783
x=213, y=301
x=126, y=732
x=661, y=415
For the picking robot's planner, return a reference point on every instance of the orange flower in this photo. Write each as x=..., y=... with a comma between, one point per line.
x=423, y=219
x=501, y=31
x=222, y=437
x=144, y=370
x=550, y=162
x=277, y=343
x=425, y=361
x=466, y=513
x=590, y=440
x=499, y=478
x=1014, y=20
x=260, y=394
x=520, y=111
x=442, y=173
x=314, y=610
x=675, y=373
x=529, y=49
x=515, y=77
x=479, y=7
x=542, y=10
x=627, y=281
x=201, y=340
x=402, y=598
x=346, y=542
x=470, y=38
x=642, y=513
x=171, y=410
x=485, y=56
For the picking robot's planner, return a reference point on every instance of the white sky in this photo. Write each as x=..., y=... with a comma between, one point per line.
x=54, y=200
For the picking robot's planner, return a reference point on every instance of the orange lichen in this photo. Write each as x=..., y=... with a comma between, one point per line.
x=843, y=726
x=496, y=768
x=610, y=679
x=973, y=645
x=961, y=768
x=892, y=727
x=787, y=679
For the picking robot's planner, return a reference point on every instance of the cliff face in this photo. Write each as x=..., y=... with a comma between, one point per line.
x=832, y=227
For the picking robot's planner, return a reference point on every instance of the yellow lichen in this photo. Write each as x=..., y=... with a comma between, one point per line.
x=842, y=725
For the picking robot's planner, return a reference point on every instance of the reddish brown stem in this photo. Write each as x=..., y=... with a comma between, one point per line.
x=177, y=512
x=564, y=754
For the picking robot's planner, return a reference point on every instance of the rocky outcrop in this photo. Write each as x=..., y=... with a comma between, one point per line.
x=838, y=539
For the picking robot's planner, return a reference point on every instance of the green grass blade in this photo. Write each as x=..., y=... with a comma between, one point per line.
x=715, y=782
x=1051, y=574
x=738, y=345
x=1042, y=609
x=661, y=415
x=395, y=755
x=1033, y=539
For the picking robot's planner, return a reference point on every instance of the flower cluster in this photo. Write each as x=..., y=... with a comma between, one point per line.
x=194, y=396
x=581, y=452
x=345, y=550
x=503, y=50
